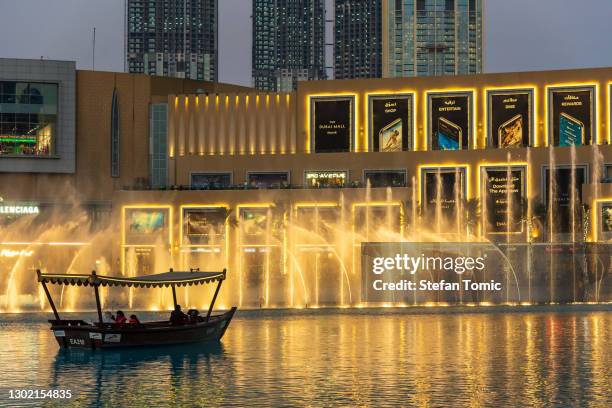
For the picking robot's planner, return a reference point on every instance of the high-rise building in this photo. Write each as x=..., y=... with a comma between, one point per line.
x=402, y=38
x=288, y=43
x=358, y=39
x=432, y=37
x=175, y=38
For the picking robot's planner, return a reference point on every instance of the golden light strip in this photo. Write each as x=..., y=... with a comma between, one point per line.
x=377, y=204
x=47, y=243
x=609, y=112
x=316, y=204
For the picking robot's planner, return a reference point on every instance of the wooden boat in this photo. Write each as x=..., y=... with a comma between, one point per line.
x=81, y=334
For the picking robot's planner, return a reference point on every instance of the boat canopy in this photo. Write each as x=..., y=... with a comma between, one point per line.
x=166, y=279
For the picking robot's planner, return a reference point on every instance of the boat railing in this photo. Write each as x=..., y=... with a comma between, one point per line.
x=142, y=325
x=62, y=322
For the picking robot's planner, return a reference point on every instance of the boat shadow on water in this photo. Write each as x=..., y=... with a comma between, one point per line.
x=177, y=373
x=138, y=355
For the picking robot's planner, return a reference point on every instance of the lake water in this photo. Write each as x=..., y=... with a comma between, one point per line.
x=527, y=356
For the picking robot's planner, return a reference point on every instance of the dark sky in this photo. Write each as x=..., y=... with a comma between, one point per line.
x=520, y=35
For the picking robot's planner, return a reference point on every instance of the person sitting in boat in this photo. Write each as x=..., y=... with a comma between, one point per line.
x=120, y=319
x=133, y=319
x=177, y=316
x=108, y=317
x=193, y=315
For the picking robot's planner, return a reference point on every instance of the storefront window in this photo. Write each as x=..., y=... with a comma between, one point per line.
x=325, y=179
x=607, y=174
x=212, y=181
x=268, y=179
x=28, y=118
x=385, y=178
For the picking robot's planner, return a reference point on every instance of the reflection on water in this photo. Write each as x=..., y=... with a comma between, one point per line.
x=537, y=356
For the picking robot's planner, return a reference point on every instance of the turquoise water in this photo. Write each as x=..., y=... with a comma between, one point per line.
x=527, y=356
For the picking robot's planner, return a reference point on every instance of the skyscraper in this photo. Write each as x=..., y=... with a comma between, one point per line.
x=358, y=39
x=176, y=38
x=288, y=43
x=402, y=38
x=432, y=37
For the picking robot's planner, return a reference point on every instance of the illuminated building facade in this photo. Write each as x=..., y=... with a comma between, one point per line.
x=284, y=188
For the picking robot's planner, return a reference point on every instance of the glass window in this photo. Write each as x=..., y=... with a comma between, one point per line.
x=326, y=178
x=607, y=174
x=212, y=181
x=385, y=178
x=268, y=179
x=159, y=141
x=28, y=118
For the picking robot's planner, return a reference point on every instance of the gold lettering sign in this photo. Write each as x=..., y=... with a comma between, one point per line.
x=571, y=100
x=450, y=105
x=390, y=107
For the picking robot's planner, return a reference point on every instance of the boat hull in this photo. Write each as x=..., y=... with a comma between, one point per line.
x=70, y=334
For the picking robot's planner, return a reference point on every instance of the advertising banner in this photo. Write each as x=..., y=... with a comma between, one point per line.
x=254, y=224
x=332, y=124
x=503, y=192
x=442, y=187
x=606, y=221
x=254, y=220
x=571, y=112
x=510, y=118
x=450, y=121
x=146, y=226
x=564, y=187
x=204, y=226
x=390, y=122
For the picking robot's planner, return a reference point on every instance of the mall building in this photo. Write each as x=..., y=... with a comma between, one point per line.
x=282, y=188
